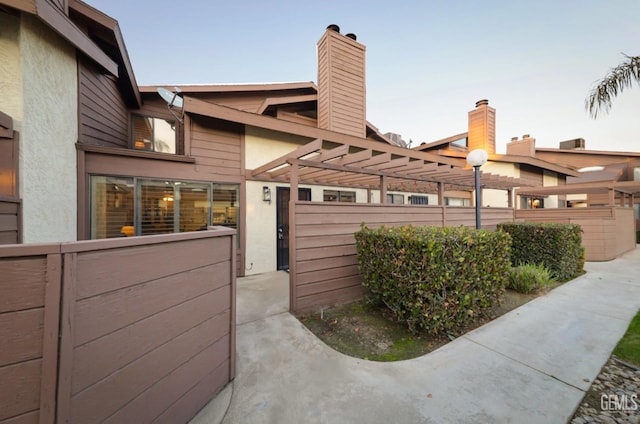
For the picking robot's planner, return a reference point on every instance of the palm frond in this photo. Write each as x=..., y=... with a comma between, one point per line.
x=618, y=78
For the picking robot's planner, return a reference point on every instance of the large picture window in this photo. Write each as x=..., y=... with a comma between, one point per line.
x=153, y=134
x=127, y=206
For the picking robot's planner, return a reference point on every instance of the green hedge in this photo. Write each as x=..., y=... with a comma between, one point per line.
x=558, y=247
x=435, y=279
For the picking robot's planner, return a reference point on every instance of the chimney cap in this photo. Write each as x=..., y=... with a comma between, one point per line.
x=334, y=27
x=352, y=36
x=526, y=136
x=482, y=102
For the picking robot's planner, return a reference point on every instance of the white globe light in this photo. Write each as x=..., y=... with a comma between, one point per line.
x=477, y=157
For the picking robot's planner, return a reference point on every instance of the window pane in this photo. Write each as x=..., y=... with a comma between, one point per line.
x=330, y=196
x=348, y=196
x=225, y=205
x=153, y=134
x=195, y=206
x=636, y=173
x=111, y=207
x=226, y=209
x=419, y=200
x=157, y=203
x=142, y=132
x=164, y=136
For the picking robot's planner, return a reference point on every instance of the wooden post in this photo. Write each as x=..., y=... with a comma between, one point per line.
x=383, y=189
x=50, y=339
x=293, y=198
x=510, y=198
x=441, y=193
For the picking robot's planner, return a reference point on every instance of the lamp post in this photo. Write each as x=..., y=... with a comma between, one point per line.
x=477, y=158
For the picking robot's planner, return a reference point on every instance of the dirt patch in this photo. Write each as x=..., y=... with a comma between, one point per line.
x=367, y=331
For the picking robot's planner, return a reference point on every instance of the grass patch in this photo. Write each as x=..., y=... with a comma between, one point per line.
x=628, y=348
x=529, y=278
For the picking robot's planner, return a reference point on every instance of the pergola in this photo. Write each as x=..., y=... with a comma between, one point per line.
x=625, y=190
x=383, y=167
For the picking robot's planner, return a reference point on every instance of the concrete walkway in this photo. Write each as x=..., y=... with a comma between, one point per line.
x=532, y=365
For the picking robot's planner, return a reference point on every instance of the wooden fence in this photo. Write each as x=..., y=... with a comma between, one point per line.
x=146, y=328
x=607, y=231
x=323, y=265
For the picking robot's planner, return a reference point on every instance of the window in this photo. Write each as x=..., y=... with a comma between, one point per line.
x=463, y=142
x=531, y=203
x=153, y=134
x=419, y=200
x=339, y=196
x=127, y=206
x=395, y=199
x=636, y=173
x=112, y=211
x=457, y=201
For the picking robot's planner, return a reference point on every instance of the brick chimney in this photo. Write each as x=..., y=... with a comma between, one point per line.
x=341, y=83
x=524, y=147
x=482, y=127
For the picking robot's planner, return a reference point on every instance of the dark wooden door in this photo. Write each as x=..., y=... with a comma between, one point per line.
x=283, y=195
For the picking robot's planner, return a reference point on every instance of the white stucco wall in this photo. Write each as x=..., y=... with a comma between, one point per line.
x=10, y=68
x=550, y=179
x=48, y=125
x=498, y=198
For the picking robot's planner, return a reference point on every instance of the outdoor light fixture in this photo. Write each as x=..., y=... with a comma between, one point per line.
x=477, y=158
x=266, y=194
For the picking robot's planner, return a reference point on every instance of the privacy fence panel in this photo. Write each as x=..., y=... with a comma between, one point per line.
x=29, y=310
x=325, y=270
x=607, y=232
x=125, y=330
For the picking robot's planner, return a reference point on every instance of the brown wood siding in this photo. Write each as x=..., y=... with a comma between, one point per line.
x=606, y=231
x=216, y=146
x=326, y=268
x=29, y=312
x=10, y=211
x=531, y=174
x=341, y=85
x=103, y=115
x=148, y=328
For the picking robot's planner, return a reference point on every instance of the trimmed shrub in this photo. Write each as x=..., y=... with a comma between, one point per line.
x=558, y=247
x=434, y=279
x=528, y=278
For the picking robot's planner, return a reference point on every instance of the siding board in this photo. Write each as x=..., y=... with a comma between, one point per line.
x=20, y=388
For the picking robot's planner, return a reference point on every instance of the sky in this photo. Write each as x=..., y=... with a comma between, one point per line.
x=428, y=62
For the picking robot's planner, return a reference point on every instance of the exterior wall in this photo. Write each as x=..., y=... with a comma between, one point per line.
x=48, y=125
x=498, y=198
x=104, y=118
x=11, y=99
x=262, y=146
x=152, y=339
x=261, y=229
x=323, y=262
x=550, y=179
